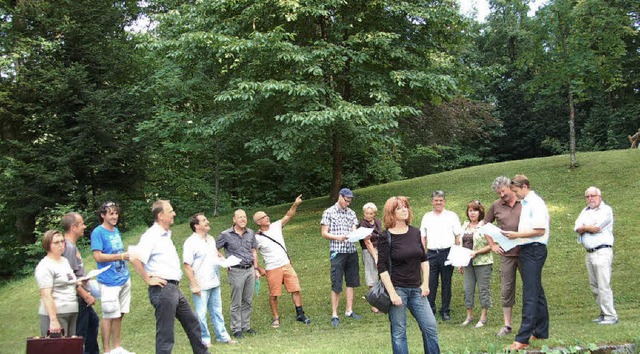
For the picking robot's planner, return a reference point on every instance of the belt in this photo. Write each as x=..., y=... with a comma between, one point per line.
x=591, y=250
x=241, y=266
x=176, y=282
x=438, y=250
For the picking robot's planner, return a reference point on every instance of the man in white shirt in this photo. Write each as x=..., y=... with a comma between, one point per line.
x=440, y=229
x=279, y=269
x=595, y=232
x=158, y=264
x=533, y=236
x=200, y=261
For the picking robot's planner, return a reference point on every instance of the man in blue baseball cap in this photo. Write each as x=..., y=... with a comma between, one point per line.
x=337, y=222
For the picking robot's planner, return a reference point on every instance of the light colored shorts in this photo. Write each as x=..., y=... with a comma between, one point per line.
x=284, y=275
x=115, y=299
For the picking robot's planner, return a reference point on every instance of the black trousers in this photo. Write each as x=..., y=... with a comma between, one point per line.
x=437, y=269
x=87, y=326
x=535, y=314
x=170, y=304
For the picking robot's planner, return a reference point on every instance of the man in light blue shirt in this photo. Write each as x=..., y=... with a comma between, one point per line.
x=157, y=262
x=595, y=232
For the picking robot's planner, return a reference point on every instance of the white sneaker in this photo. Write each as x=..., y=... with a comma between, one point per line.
x=121, y=350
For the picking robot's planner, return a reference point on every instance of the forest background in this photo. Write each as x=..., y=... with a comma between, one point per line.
x=224, y=104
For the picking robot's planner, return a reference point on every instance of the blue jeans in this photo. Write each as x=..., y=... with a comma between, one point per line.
x=421, y=311
x=535, y=314
x=210, y=299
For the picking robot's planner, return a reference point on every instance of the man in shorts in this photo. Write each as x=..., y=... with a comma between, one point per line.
x=277, y=263
x=115, y=283
x=337, y=222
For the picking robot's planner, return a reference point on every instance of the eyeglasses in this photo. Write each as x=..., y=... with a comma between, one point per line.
x=108, y=204
x=262, y=217
x=476, y=202
x=591, y=196
x=348, y=200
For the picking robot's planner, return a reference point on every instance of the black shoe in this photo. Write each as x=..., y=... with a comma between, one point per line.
x=446, y=317
x=302, y=318
x=238, y=334
x=250, y=331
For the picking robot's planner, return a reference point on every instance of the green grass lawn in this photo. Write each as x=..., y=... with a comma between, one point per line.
x=571, y=304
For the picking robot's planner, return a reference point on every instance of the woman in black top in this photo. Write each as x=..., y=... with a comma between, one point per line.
x=404, y=270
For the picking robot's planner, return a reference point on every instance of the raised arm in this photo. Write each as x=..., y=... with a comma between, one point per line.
x=292, y=210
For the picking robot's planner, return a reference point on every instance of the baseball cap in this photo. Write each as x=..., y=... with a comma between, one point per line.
x=346, y=192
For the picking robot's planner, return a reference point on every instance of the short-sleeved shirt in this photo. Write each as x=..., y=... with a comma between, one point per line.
x=158, y=253
x=407, y=254
x=110, y=242
x=534, y=216
x=441, y=229
x=75, y=259
x=239, y=246
x=59, y=277
x=340, y=222
x=601, y=216
x=508, y=218
x=478, y=241
x=201, y=254
x=377, y=230
x=274, y=255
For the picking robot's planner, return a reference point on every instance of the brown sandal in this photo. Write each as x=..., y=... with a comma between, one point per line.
x=275, y=323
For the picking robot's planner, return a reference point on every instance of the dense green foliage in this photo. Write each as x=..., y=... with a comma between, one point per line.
x=226, y=103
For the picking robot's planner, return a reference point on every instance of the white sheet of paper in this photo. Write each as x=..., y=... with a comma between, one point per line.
x=497, y=236
x=94, y=273
x=359, y=234
x=229, y=261
x=134, y=253
x=458, y=256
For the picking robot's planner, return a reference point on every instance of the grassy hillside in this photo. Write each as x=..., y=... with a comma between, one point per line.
x=565, y=279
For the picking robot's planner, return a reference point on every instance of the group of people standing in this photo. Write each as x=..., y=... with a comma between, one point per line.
x=409, y=261
x=412, y=262
x=67, y=302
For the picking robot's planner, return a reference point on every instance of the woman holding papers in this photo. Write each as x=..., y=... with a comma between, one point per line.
x=480, y=267
x=404, y=270
x=57, y=283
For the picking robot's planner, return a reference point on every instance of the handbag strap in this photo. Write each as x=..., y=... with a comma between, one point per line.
x=389, y=242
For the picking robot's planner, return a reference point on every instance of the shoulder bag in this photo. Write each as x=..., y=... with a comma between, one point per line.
x=377, y=296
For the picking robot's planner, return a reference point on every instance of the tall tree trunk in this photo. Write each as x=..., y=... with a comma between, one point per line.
x=336, y=179
x=25, y=224
x=216, y=176
x=572, y=131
